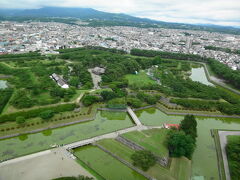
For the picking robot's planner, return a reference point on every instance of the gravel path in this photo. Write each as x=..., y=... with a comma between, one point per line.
x=96, y=79
x=43, y=165
x=223, y=142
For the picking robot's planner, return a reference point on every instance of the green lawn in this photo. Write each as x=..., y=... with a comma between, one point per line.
x=105, y=165
x=179, y=168
x=153, y=140
x=125, y=153
x=139, y=80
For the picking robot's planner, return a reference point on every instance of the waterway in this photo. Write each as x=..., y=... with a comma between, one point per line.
x=198, y=74
x=105, y=122
x=204, y=161
x=3, y=84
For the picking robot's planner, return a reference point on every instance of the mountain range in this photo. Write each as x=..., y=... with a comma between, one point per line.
x=99, y=18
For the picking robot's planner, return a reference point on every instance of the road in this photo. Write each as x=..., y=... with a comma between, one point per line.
x=223, y=142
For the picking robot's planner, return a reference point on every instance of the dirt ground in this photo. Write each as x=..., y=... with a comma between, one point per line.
x=45, y=165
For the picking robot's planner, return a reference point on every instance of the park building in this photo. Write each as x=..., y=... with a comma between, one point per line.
x=59, y=80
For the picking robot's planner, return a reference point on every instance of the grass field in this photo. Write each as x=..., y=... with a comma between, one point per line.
x=180, y=168
x=125, y=153
x=139, y=80
x=105, y=165
x=153, y=140
x=9, y=128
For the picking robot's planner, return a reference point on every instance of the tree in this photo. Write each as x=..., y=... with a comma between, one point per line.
x=20, y=120
x=189, y=126
x=233, y=155
x=180, y=144
x=89, y=100
x=74, y=81
x=46, y=114
x=134, y=102
x=117, y=103
x=108, y=95
x=144, y=159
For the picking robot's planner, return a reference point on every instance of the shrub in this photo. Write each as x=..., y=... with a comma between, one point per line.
x=46, y=114
x=35, y=112
x=20, y=120
x=144, y=159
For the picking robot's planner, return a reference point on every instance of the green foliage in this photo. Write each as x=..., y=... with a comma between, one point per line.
x=189, y=126
x=25, y=55
x=119, y=103
x=46, y=114
x=5, y=95
x=20, y=120
x=74, y=81
x=180, y=144
x=35, y=112
x=223, y=107
x=150, y=99
x=108, y=95
x=169, y=55
x=21, y=100
x=89, y=100
x=227, y=50
x=233, y=154
x=144, y=159
x=134, y=102
x=223, y=71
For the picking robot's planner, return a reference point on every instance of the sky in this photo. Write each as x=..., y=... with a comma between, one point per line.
x=219, y=12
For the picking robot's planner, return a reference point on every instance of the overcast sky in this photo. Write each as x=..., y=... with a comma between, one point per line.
x=221, y=12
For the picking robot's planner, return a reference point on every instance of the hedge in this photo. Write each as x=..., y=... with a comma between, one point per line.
x=35, y=112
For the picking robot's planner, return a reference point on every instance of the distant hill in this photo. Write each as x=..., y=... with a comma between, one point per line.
x=99, y=18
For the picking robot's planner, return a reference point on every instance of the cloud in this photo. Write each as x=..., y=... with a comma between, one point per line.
x=220, y=12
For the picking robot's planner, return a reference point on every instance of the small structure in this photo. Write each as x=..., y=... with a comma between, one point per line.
x=59, y=80
x=98, y=70
x=170, y=126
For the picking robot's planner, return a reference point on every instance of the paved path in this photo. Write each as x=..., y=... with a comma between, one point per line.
x=217, y=80
x=223, y=142
x=133, y=116
x=105, y=136
x=196, y=114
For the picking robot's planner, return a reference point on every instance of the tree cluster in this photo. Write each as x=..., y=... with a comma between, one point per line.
x=143, y=159
x=183, y=142
x=4, y=98
x=36, y=112
x=233, y=154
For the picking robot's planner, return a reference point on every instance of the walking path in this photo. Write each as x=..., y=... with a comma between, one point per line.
x=197, y=114
x=217, y=80
x=133, y=116
x=223, y=142
x=105, y=136
x=96, y=79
